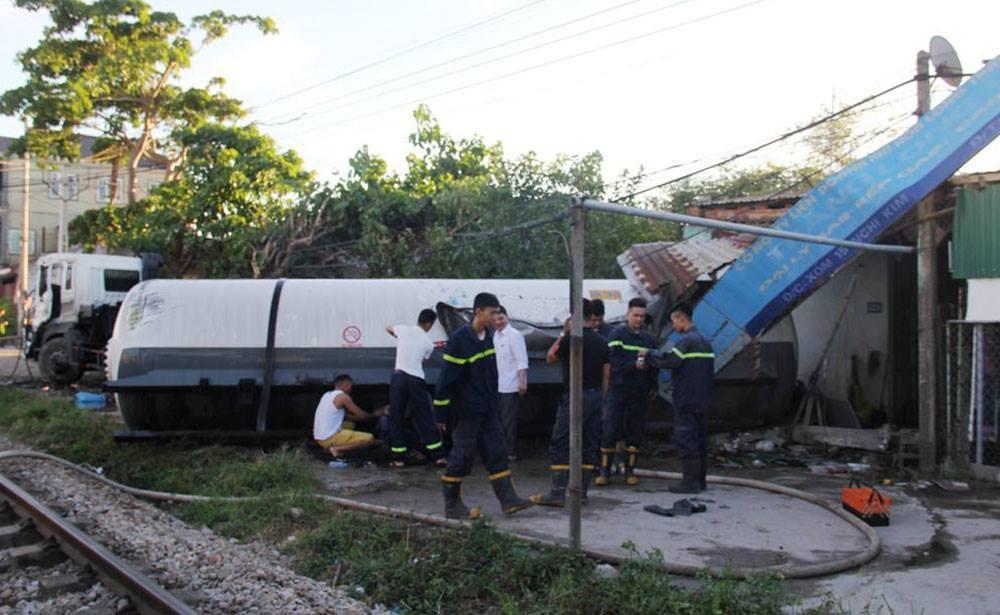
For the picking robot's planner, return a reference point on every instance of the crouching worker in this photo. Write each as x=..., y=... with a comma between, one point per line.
x=692, y=362
x=467, y=388
x=596, y=374
x=330, y=429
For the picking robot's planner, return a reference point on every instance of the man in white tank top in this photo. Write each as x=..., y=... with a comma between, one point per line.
x=330, y=429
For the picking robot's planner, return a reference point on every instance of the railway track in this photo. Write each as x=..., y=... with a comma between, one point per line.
x=32, y=534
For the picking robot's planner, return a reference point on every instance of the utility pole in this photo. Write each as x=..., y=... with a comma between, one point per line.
x=25, y=230
x=578, y=220
x=927, y=351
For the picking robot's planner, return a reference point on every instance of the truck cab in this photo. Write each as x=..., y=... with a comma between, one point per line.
x=73, y=304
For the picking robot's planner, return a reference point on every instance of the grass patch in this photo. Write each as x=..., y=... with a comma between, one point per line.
x=410, y=567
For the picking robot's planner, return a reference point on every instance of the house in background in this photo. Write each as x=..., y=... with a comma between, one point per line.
x=57, y=188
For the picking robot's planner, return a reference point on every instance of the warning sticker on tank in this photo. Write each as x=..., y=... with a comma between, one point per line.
x=144, y=307
x=352, y=336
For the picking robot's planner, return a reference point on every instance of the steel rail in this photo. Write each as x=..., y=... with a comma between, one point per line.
x=146, y=595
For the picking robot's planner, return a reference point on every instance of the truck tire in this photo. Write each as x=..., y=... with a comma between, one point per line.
x=56, y=361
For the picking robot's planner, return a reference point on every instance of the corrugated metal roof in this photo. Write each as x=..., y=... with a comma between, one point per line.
x=976, y=247
x=670, y=269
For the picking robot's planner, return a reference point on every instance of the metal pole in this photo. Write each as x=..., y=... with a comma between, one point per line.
x=615, y=208
x=25, y=230
x=926, y=297
x=578, y=217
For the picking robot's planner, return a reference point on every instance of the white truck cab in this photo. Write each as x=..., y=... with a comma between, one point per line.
x=74, y=301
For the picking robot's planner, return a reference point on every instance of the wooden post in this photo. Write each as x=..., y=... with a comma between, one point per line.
x=927, y=346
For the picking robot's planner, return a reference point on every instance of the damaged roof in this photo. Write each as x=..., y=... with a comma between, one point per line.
x=670, y=269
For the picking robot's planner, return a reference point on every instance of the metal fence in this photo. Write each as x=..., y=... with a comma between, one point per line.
x=971, y=429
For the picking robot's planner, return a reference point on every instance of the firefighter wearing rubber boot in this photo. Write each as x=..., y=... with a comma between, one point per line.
x=692, y=362
x=467, y=388
x=596, y=374
x=633, y=383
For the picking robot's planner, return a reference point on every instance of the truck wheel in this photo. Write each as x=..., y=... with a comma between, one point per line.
x=57, y=363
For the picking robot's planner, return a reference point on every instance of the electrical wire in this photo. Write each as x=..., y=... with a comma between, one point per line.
x=771, y=142
x=399, y=54
x=545, y=64
x=575, y=35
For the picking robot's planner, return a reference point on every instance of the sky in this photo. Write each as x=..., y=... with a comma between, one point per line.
x=648, y=83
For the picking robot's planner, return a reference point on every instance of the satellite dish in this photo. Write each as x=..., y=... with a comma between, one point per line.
x=945, y=60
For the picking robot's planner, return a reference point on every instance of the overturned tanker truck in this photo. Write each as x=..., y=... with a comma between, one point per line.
x=252, y=357
x=255, y=355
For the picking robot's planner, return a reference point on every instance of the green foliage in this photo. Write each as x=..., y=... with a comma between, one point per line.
x=234, y=186
x=8, y=317
x=441, y=218
x=111, y=67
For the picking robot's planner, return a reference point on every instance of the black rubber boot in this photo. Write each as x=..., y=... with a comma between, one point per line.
x=454, y=508
x=510, y=502
x=588, y=475
x=557, y=495
x=691, y=483
x=607, y=455
x=630, y=460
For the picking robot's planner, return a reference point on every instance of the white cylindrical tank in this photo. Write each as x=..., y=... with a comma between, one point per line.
x=181, y=346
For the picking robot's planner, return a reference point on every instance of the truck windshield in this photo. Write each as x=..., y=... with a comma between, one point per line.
x=120, y=280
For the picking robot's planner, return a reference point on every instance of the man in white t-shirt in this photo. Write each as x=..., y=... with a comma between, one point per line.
x=330, y=430
x=512, y=370
x=409, y=399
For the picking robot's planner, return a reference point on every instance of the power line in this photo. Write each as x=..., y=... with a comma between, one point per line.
x=491, y=60
x=778, y=139
x=529, y=68
x=398, y=54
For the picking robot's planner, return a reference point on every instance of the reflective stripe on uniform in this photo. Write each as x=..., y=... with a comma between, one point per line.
x=479, y=355
x=442, y=402
x=559, y=467
x=499, y=475
x=451, y=479
x=693, y=355
x=436, y=445
x=625, y=346
x=399, y=449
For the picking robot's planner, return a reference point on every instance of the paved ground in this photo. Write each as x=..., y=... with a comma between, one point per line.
x=940, y=555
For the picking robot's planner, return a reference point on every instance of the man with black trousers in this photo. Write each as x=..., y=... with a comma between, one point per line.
x=408, y=394
x=467, y=388
x=596, y=374
x=633, y=382
x=692, y=362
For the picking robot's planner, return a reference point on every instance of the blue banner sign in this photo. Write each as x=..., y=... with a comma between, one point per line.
x=858, y=203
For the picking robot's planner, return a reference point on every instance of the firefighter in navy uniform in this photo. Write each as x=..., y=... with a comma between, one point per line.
x=692, y=362
x=467, y=389
x=633, y=382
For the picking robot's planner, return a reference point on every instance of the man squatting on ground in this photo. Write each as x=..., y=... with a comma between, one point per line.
x=596, y=374
x=467, y=388
x=633, y=383
x=408, y=395
x=692, y=362
x=330, y=430
x=512, y=370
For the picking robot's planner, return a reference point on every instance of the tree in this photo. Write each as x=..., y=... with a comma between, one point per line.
x=111, y=67
x=234, y=186
x=457, y=211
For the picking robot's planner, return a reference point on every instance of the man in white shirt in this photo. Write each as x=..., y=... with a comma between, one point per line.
x=409, y=398
x=512, y=369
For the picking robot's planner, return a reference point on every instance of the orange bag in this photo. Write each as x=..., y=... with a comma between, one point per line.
x=866, y=503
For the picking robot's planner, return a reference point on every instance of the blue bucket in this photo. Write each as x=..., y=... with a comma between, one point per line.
x=90, y=401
